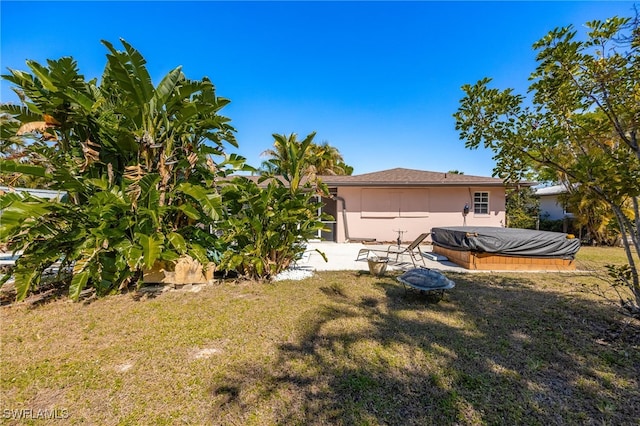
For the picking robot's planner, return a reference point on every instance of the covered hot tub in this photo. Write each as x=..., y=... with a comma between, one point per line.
x=493, y=248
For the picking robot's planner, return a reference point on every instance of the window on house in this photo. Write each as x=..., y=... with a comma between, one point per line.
x=481, y=202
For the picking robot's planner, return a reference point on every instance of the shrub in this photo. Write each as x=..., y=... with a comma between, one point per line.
x=134, y=161
x=266, y=227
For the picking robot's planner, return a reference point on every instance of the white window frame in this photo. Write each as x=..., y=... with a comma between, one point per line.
x=477, y=210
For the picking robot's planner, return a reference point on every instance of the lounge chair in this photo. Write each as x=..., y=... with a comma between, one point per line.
x=413, y=250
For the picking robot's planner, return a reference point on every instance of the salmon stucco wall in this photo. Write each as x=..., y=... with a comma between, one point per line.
x=379, y=212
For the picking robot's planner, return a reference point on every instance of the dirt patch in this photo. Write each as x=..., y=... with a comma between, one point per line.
x=205, y=353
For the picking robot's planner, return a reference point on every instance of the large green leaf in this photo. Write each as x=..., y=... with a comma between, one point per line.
x=210, y=203
x=78, y=283
x=152, y=246
x=24, y=280
x=177, y=242
x=110, y=272
x=169, y=255
x=199, y=253
x=148, y=219
x=166, y=88
x=8, y=198
x=101, y=183
x=43, y=75
x=124, y=78
x=190, y=211
x=139, y=69
x=21, y=113
x=134, y=256
x=82, y=269
x=149, y=194
x=10, y=166
x=80, y=98
x=20, y=210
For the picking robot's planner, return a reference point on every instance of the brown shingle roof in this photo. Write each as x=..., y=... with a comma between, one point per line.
x=410, y=177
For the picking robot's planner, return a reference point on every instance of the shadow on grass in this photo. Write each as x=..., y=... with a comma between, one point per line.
x=495, y=350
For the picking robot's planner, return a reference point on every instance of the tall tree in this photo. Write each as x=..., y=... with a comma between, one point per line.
x=134, y=159
x=290, y=158
x=312, y=159
x=593, y=214
x=581, y=122
x=327, y=160
x=522, y=208
x=270, y=224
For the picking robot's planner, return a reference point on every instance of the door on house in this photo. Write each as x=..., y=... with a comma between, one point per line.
x=330, y=207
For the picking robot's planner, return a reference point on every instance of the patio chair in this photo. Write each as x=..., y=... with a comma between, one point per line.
x=413, y=250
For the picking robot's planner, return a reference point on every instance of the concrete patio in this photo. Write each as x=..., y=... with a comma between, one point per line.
x=342, y=256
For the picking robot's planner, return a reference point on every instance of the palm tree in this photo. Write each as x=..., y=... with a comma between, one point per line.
x=309, y=158
x=327, y=160
x=290, y=158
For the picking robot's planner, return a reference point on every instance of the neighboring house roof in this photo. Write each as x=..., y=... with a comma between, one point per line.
x=410, y=177
x=551, y=190
x=40, y=193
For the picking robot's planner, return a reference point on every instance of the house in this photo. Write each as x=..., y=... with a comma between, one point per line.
x=551, y=207
x=403, y=203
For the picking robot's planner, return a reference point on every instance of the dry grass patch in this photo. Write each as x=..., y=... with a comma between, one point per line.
x=339, y=348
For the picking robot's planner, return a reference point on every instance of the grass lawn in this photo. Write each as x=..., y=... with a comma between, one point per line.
x=339, y=348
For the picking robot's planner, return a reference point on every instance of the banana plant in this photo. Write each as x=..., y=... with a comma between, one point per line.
x=135, y=161
x=265, y=228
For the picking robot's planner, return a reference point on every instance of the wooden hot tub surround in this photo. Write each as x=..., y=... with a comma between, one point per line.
x=497, y=262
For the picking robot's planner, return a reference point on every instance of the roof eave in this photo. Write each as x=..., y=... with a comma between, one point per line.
x=420, y=184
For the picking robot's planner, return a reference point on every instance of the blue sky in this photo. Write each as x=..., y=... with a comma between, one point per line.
x=378, y=80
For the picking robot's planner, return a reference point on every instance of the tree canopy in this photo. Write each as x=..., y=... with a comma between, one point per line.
x=311, y=159
x=134, y=160
x=579, y=124
x=144, y=169
x=147, y=179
